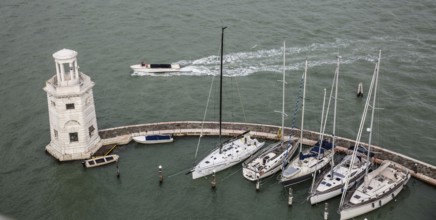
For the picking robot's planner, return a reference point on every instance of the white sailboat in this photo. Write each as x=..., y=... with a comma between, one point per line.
x=330, y=183
x=270, y=160
x=232, y=151
x=380, y=186
x=312, y=160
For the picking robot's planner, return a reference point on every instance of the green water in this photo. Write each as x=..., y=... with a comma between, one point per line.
x=112, y=35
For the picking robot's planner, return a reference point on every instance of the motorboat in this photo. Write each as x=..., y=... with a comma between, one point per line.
x=154, y=139
x=155, y=68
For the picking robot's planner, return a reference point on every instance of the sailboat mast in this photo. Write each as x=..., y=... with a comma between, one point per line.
x=221, y=83
x=359, y=134
x=283, y=95
x=334, y=114
x=373, y=108
x=321, y=131
x=302, y=109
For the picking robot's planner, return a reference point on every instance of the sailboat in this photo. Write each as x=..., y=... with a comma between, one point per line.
x=312, y=160
x=378, y=187
x=230, y=152
x=331, y=183
x=270, y=160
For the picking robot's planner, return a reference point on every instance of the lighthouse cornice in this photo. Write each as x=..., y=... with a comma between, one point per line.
x=85, y=84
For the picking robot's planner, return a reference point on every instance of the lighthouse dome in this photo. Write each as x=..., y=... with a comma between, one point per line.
x=65, y=54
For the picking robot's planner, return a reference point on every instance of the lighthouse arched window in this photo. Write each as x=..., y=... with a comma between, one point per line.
x=74, y=137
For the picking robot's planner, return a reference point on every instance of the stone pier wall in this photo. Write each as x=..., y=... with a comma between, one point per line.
x=123, y=135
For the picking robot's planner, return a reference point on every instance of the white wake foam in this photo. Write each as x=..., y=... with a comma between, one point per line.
x=270, y=60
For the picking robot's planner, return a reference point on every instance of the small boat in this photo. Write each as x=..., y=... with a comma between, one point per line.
x=99, y=161
x=154, y=139
x=155, y=68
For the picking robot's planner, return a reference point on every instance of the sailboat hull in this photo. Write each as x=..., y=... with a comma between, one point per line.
x=232, y=152
x=216, y=168
x=323, y=189
x=252, y=175
x=357, y=210
x=378, y=188
x=320, y=197
x=305, y=171
x=269, y=161
x=323, y=196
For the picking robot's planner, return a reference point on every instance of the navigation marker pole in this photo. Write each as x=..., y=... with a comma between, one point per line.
x=118, y=171
x=160, y=175
x=213, y=182
x=290, y=197
x=257, y=183
x=326, y=211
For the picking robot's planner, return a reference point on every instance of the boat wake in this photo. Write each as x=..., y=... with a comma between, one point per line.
x=268, y=60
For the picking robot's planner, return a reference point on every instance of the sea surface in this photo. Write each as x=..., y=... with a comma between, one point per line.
x=111, y=35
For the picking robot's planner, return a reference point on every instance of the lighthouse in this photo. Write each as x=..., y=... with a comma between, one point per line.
x=73, y=122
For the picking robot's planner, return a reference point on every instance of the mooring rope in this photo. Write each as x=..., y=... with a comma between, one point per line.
x=178, y=173
x=222, y=180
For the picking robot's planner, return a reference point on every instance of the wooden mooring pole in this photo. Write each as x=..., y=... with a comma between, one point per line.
x=160, y=174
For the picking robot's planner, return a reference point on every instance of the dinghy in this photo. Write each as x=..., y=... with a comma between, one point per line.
x=99, y=161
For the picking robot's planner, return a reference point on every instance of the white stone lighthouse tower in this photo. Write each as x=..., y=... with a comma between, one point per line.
x=73, y=123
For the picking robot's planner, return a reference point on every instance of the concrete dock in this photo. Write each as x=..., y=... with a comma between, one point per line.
x=123, y=135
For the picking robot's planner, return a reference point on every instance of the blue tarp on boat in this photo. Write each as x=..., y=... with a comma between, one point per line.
x=158, y=137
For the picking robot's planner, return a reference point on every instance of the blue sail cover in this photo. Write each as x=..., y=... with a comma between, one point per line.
x=312, y=153
x=362, y=149
x=326, y=145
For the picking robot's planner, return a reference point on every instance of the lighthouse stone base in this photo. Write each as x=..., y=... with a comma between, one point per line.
x=73, y=154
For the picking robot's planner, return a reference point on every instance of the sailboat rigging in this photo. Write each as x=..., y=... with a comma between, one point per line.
x=381, y=185
x=269, y=160
x=312, y=160
x=230, y=152
x=331, y=183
